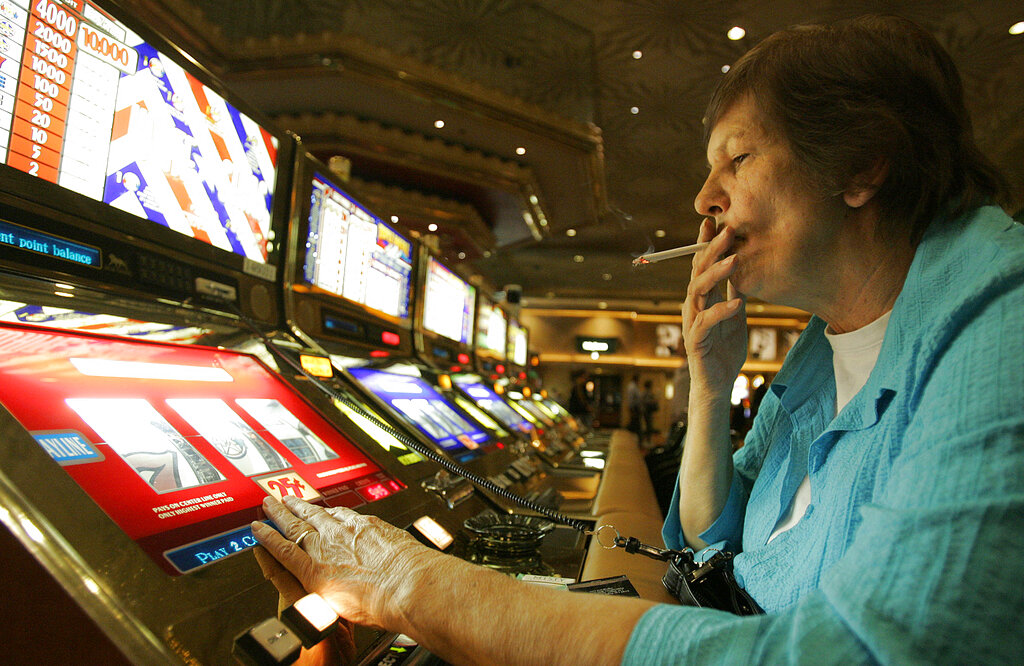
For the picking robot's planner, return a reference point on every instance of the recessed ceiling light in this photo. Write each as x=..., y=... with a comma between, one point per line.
x=634, y=110
x=570, y=232
x=520, y=151
x=638, y=54
x=487, y=254
x=607, y=276
x=462, y=255
x=394, y=219
x=602, y=305
x=660, y=233
x=578, y=258
x=725, y=68
x=431, y=227
x=533, y=199
x=1017, y=28
x=735, y=33
x=438, y=124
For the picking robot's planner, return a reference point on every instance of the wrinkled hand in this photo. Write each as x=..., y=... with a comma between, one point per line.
x=339, y=648
x=714, y=316
x=359, y=564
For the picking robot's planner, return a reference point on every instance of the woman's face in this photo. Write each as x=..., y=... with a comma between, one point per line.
x=785, y=231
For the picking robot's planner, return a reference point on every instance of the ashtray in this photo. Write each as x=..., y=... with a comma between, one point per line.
x=508, y=534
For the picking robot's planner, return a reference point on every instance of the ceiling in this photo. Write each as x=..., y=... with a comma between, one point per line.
x=612, y=141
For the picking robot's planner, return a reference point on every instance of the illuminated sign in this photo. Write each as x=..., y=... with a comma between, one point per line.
x=434, y=532
x=318, y=366
x=599, y=345
x=21, y=238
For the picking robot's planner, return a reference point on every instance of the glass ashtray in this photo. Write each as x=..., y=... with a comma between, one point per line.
x=508, y=535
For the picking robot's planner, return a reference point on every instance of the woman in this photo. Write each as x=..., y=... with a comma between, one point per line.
x=877, y=505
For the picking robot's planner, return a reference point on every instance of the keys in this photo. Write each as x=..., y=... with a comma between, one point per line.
x=634, y=545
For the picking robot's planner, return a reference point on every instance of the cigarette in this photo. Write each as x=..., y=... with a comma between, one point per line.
x=654, y=257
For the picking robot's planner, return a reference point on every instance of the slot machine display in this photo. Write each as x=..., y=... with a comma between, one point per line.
x=352, y=298
x=143, y=211
x=379, y=349
x=491, y=334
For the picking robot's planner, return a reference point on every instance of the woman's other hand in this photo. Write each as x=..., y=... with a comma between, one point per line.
x=714, y=318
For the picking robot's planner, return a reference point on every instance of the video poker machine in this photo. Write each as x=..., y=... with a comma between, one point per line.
x=143, y=210
x=352, y=297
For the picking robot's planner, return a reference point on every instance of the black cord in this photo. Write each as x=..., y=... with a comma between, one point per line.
x=442, y=460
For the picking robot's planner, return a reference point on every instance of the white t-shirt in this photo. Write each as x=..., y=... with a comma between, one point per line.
x=854, y=355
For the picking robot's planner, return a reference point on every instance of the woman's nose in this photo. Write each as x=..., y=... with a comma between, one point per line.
x=711, y=201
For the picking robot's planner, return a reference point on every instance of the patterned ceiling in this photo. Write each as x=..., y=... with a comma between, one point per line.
x=574, y=59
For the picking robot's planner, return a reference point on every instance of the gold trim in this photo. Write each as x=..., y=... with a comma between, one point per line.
x=645, y=362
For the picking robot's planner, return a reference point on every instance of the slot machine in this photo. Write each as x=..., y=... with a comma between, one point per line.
x=143, y=417
x=348, y=295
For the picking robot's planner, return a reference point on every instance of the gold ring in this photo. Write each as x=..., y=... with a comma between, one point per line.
x=298, y=540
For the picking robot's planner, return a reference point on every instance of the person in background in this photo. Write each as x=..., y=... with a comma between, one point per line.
x=680, y=392
x=634, y=402
x=579, y=400
x=876, y=508
x=648, y=406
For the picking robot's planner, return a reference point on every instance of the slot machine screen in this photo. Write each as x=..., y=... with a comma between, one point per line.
x=517, y=344
x=423, y=406
x=178, y=446
x=89, y=105
x=351, y=253
x=491, y=402
x=491, y=328
x=448, y=303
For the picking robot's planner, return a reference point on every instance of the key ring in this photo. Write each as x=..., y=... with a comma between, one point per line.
x=597, y=535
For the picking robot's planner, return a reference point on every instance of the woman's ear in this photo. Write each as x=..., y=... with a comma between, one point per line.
x=864, y=185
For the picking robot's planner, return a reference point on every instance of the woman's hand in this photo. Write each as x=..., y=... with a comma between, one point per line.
x=714, y=318
x=362, y=566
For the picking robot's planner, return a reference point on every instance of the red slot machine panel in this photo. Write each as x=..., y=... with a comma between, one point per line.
x=178, y=445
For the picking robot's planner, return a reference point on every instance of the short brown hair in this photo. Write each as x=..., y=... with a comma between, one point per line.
x=846, y=94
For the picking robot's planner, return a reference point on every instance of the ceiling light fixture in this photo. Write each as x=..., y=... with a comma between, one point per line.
x=520, y=151
x=394, y=219
x=462, y=255
x=634, y=110
x=602, y=306
x=1017, y=28
x=578, y=258
x=607, y=276
x=638, y=54
x=735, y=33
x=431, y=227
x=439, y=124
x=660, y=233
x=570, y=232
x=725, y=68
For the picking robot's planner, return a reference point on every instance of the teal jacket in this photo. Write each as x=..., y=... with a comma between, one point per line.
x=912, y=550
